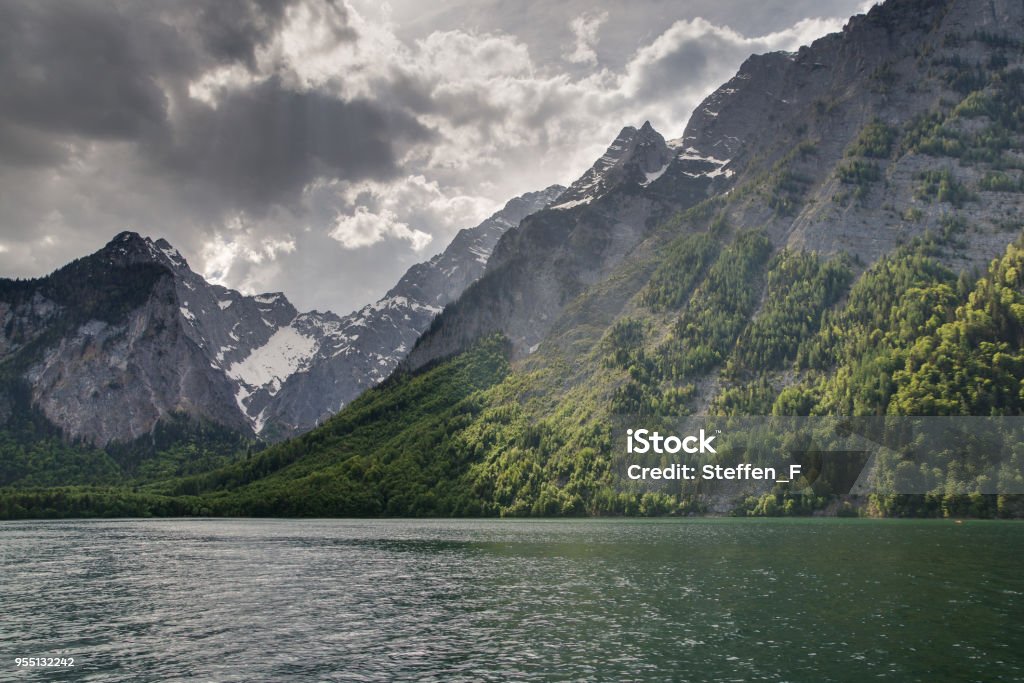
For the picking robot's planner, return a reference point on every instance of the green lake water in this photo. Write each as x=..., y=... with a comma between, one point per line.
x=663, y=600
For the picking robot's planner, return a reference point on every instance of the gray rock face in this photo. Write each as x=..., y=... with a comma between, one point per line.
x=24, y=322
x=774, y=147
x=797, y=117
x=636, y=157
x=115, y=341
x=348, y=355
x=131, y=329
x=109, y=383
x=557, y=253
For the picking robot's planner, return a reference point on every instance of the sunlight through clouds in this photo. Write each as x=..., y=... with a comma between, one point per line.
x=346, y=144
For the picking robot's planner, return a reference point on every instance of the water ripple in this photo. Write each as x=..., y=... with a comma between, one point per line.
x=343, y=600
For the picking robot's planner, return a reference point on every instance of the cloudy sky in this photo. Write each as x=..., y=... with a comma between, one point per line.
x=320, y=147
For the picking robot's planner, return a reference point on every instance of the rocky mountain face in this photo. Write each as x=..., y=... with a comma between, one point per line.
x=327, y=361
x=814, y=147
x=635, y=157
x=555, y=254
x=110, y=344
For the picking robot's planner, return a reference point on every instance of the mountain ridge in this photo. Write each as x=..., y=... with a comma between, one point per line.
x=179, y=345
x=779, y=115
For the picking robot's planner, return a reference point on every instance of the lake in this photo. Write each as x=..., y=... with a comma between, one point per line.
x=375, y=600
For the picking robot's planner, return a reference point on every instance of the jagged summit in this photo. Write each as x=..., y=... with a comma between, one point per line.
x=634, y=157
x=128, y=247
x=526, y=204
x=439, y=281
x=125, y=237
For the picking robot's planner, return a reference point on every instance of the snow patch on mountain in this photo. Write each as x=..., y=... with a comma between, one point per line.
x=285, y=353
x=572, y=203
x=654, y=175
x=696, y=164
x=173, y=255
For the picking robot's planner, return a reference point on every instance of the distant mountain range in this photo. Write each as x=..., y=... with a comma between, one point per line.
x=119, y=340
x=835, y=233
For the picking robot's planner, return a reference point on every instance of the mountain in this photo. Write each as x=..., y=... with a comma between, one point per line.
x=835, y=233
x=786, y=123
x=555, y=254
x=115, y=342
x=318, y=363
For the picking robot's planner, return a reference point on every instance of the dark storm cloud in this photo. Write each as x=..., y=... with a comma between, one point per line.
x=99, y=70
x=266, y=142
x=27, y=147
x=80, y=69
x=231, y=31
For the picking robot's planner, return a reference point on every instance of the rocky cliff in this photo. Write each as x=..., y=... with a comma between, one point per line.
x=820, y=148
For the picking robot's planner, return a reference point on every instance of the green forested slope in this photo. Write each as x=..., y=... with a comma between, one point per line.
x=469, y=436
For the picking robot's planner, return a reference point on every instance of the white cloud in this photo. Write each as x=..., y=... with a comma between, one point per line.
x=271, y=248
x=504, y=123
x=208, y=87
x=223, y=258
x=414, y=195
x=363, y=229
x=449, y=58
x=585, y=29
